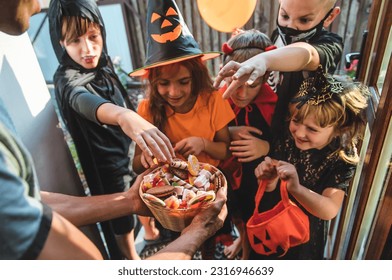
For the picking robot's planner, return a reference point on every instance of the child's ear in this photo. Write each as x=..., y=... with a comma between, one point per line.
x=335, y=12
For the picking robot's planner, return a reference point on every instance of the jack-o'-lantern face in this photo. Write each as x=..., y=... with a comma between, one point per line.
x=169, y=29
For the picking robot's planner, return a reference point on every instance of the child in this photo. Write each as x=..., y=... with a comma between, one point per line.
x=250, y=131
x=319, y=158
x=181, y=100
x=302, y=43
x=182, y=103
x=96, y=108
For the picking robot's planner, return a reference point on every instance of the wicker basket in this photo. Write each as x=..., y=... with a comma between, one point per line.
x=175, y=219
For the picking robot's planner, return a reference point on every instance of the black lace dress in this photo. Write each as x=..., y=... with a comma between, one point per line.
x=317, y=170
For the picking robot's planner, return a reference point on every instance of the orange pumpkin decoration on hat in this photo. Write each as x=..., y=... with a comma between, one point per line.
x=171, y=35
x=168, y=37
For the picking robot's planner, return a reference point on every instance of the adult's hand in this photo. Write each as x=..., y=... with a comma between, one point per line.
x=204, y=225
x=210, y=219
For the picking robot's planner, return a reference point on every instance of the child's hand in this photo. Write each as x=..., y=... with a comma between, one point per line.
x=286, y=171
x=266, y=170
x=190, y=146
x=147, y=136
x=237, y=131
x=150, y=163
x=241, y=73
x=249, y=148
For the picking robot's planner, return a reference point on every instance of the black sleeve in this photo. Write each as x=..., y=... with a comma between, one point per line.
x=330, y=48
x=85, y=103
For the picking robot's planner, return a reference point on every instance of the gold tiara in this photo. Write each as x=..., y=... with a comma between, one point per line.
x=317, y=89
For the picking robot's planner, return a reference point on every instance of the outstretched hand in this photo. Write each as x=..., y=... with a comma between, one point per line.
x=149, y=138
x=241, y=73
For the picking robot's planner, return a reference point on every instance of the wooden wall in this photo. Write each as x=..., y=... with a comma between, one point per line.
x=350, y=24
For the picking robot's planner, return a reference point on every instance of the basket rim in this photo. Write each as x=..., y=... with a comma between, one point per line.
x=178, y=210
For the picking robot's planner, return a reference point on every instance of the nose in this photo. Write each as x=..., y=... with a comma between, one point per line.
x=86, y=46
x=291, y=24
x=300, y=131
x=241, y=91
x=173, y=90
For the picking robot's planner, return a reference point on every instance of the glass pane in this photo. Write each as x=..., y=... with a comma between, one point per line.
x=116, y=36
x=376, y=195
x=42, y=45
x=384, y=65
x=116, y=40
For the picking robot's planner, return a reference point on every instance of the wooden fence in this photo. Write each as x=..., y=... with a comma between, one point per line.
x=350, y=24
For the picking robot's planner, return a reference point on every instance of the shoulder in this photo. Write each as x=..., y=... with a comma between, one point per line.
x=327, y=42
x=144, y=110
x=330, y=48
x=215, y=96
x=327, y=37
x=342, y=174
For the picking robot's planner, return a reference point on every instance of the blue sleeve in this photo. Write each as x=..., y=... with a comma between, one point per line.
x=24, y=221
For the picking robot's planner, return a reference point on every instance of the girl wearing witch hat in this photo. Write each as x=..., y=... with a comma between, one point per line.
x=181, y=100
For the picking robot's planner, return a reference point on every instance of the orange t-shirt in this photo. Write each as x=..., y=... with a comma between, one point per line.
x=209, y=114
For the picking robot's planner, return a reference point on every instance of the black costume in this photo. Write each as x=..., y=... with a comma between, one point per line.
x=317, y=170
x=102, y=149
x=329, y=47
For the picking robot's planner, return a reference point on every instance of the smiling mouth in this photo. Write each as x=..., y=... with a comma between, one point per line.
x=174, y=99
x=300, y=141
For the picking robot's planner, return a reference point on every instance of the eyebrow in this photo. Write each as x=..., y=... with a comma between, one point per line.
x=181, y=78
x=307, y=15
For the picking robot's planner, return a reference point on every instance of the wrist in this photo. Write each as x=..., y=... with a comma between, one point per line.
x=204, y=144
x=123, y=116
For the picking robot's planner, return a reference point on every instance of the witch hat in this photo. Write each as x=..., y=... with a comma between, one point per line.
x=168, y=37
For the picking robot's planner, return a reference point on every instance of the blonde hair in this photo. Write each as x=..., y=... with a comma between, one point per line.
x=345, y=111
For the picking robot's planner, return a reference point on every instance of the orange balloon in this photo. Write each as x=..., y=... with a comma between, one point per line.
x=226, y=16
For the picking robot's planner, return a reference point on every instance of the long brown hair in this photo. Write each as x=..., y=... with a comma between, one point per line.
x=201, y=84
